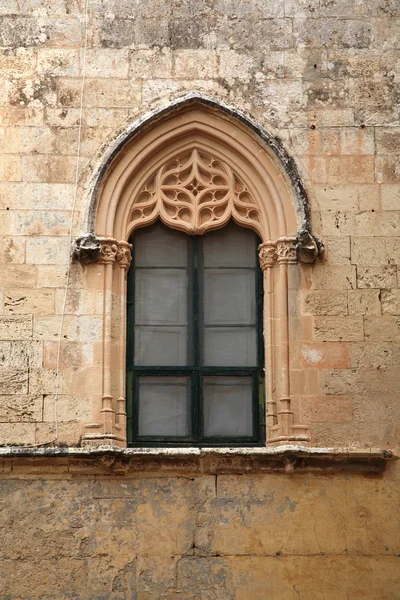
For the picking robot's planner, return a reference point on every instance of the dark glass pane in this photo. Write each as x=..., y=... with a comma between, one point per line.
x=164, y=406
x=161, y=258
x=228, y=298
x=227, y=406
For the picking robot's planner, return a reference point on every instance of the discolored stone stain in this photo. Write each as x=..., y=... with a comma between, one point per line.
x=288, y=504
x=40, y=91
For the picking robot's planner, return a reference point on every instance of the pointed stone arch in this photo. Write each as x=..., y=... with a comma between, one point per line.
x=195, y=166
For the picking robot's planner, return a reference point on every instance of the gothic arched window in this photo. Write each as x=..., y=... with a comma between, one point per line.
x=194, y=335
x=193, y=191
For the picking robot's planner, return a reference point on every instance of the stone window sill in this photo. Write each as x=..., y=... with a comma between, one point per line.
x=194, y=461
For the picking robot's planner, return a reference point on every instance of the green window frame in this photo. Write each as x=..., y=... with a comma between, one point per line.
x=196, y=372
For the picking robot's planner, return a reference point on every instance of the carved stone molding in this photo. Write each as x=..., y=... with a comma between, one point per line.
x=303, y=248
x=88, y=249
x=195, y=192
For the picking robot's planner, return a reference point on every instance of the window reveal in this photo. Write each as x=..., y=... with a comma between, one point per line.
x=195, y=348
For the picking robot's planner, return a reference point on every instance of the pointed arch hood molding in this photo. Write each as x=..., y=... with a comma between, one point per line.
x=195, y=167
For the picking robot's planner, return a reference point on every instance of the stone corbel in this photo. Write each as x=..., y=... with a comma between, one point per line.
x=308, y=247
x=281, y=427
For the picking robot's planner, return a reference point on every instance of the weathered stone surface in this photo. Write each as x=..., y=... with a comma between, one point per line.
x=321, y=76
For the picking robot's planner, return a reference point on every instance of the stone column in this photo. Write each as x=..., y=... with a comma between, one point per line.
x=107, y=257
x=267, y=256
x=123, y=262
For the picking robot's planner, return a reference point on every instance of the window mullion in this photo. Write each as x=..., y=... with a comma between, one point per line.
x=196, y=382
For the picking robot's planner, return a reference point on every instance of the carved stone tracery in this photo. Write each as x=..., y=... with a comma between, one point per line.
x=195, y=192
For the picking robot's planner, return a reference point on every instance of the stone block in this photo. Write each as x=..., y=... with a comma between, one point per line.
x=382, y=329
x=384, y=276
x=387, y=169
x=341, y=381
x=321, y=302
x=48, y=328
x=324, y=355
x=72, y=354
x=10, y=167
x=41, y=223
x=37, y=196
x=58, y=62
x=333, y=277
x=51, y=276
x=45, y=381
x=103, y=117
x=338, y=329
x=373, y=355
x=352, y=169
x=390, y=300
x=150, y=64
x=16, y=328
x=80, y=301
x=393, y=250
x=368, y=251
x=69, y=408
x=337, y=223
x=364, y=302
x=107, y=62
x=321, y=409
x=28, y=139
x=337, y=198
x=334, y=117
x=370, y=223
x=338, y=250
x=17, y=433
x=13, y=381
x=12, y=250
x=348, y=33
x=15, y=408
x=390, y=196
x=47, y=250
x=195, y=64
x=21, y=302
x=236, y=65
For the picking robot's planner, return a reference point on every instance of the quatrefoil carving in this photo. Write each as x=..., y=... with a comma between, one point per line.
x=195, y=192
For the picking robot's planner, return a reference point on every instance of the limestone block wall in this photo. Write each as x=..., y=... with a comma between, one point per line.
x=323, y=77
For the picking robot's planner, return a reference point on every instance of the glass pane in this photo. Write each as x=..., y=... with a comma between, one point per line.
x=229, y=297
x=164, y=406
x=232, y=246
x=159, y=246
x=160, y=346
x=161, y=297
x=227, y=406
x=230, y=347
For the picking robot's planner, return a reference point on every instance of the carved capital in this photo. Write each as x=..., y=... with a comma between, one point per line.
x=267, y=255
x=124, y=255
x=286, y=250
x=108, y=250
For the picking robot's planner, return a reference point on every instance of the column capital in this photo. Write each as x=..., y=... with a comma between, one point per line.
x=124, y=255
x=108, y=250
x=286, y=250
x=267, y=255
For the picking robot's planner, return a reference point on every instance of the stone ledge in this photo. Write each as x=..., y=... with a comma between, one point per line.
x=103, y=460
